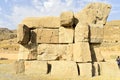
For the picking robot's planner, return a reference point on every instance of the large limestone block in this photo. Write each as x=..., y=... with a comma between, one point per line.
x=36, y=67
x=95, y=13
x=85, y=69
x=81, y=33
x=23, y=34
x=96, y=33
x=66, y=35
x=27, y=52
x=109, y=68
x=55, y=52
x=96, y=53
x=45, y=36
x=63, y=68
x=42, y=22
x=81, y=52
x=67, y=19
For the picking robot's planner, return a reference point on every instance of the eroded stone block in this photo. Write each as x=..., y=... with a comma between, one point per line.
x=36, y=67
x=81, y=52
x=85, y=69
x=67, y=19
x=23, y=34
x=63, y=68
x=55, y=52
x=66, y=35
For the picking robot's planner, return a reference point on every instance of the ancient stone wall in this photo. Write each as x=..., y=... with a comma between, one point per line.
x=64, y=45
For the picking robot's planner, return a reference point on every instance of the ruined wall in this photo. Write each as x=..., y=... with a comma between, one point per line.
x=64, y=45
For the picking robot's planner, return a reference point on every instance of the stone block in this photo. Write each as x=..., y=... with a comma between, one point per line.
x=96, y=33
x=42, y=22
x=45, y=36
x=81, y=52
x=67, y=19
x=66, y=35
x=95, y=13
x=55, y=52
x=85, y=69
x=96, y=53
x=36, y=67
x=20, y=66
x=23, y=34
x=81, y=33
x=63, y=68
x=109, y=69
x=28, y=52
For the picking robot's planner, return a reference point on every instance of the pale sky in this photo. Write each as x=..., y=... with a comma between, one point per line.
x=12, y=12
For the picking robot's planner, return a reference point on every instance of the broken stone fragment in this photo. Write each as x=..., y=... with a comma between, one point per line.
x=23, y=34
x=94, y=13
x=67, y=19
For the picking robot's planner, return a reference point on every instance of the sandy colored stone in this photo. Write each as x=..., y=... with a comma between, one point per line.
x=20, y=66
x=23, y=34
x=28, y=52
x=36, y=67
x=96, y=69
x=95, y=13
x=81, y=33
x=85, y=69
x=96, y=53
x=42, y=22
x=63, y=68
x=109, y=69
x=81, y=52
x=55, y=52
x=96, y=33
x=67, y=19
x=66, y=35
x=45, y=36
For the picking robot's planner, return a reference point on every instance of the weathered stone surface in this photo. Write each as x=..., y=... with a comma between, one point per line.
x=63, y=68
x=109, y=69
x=23, y=34
x=20, y=66
x=55, y=52
x=94, y=13
x=85, y=69
x=66, y=35
x=45, y=36
x=81, y=52
x=96, y=53
x=96, y=33
x=67, y=19
x=95, y=69
x=81, y=33
x=36, y=67
x=42, y=22
x=28, y=52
